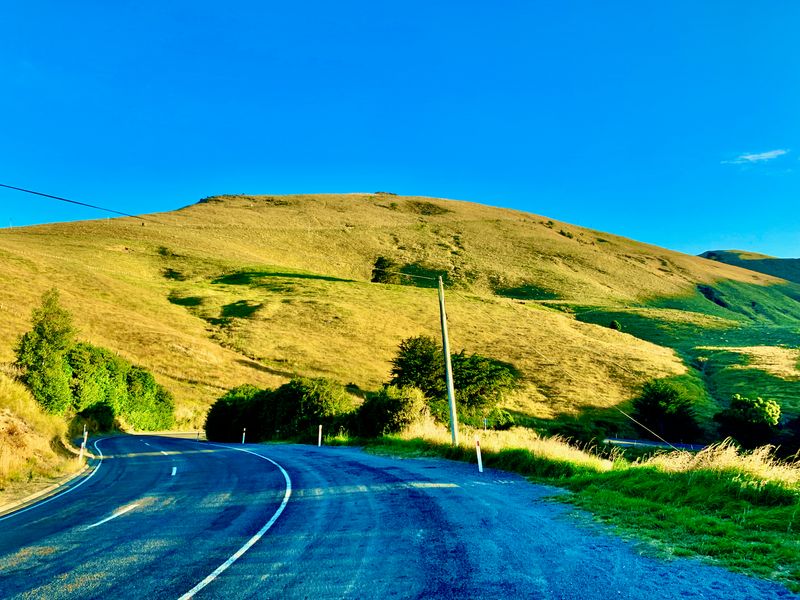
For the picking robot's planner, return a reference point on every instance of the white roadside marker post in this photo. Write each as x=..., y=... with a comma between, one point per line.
x=319, y=437
x=478, y=451
x=244, y=431
x=83, y=443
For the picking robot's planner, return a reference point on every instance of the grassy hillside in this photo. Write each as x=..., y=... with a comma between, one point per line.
x=256, y=289
x=786, y=268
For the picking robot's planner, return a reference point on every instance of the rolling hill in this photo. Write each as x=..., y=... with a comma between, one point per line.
x=786, y=268
x=237, y=289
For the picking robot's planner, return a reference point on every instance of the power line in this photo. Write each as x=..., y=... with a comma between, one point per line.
x=108, y=210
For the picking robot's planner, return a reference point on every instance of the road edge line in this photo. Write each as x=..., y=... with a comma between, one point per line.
x=65, y=492
x=258, y=535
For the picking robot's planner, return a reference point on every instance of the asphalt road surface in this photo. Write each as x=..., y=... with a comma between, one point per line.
x=171, y=518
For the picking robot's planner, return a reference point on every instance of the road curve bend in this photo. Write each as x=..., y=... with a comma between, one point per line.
x=162, y=515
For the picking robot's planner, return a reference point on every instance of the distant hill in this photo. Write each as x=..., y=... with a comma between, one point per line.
x=237, y=289
x=785, y=268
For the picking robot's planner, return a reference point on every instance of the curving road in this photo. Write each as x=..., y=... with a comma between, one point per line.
x=166, y=518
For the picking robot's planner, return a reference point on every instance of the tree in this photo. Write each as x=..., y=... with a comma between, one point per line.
x=381, y=272
x=420, y=363
x=479, y=381
x=750, y=421
x=661, y=408
x=41, y=353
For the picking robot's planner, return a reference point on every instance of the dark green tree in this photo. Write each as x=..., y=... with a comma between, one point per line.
x=750, y=421
x=41, y=353
x=420, y=363
x=662, y=409
x=480, y=382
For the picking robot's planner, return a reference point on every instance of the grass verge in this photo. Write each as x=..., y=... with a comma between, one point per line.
x=33, y=446
x=734, y=509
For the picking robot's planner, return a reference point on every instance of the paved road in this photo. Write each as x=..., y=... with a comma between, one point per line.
x=355, y=525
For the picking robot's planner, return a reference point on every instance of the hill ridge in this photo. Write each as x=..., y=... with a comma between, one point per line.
x=236, y=289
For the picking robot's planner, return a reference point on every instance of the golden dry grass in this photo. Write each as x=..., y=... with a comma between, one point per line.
x=727, y=457
x=112, y=277
x=32, y=444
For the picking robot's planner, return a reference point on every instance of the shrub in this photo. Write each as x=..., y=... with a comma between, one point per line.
x=299, y=406
x=150, y=406
x=391, y=410
x=660, y=407
x=381, y=272
x=69, y=377
x=750, y=421
x=229, y=415
x=615, y=325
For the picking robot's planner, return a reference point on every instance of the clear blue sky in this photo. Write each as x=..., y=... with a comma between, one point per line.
x=675, y=123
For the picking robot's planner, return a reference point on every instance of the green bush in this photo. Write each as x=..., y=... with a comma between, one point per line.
x=68, y=377
x=750, y=421
x=390, y=410
x=294, y=410
x=662, y=409
x=420, y=363
x=304, y=403
x=98, y=417
x=615, y=325
x=229, y=415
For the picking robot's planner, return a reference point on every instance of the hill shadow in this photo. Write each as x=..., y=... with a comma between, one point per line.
x=252, y=277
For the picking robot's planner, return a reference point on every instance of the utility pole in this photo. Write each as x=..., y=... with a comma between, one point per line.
x=448, y=367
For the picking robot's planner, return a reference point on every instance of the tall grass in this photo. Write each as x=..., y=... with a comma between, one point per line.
x=32, y=443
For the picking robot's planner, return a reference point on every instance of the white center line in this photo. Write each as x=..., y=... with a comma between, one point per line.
x=119, y=513
x=174, y=470
x=146, y=444
x=259, y=534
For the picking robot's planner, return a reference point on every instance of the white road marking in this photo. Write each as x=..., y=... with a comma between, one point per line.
x=65, y=492
x=220, y=569
x=119, y=513
x=174, y=470
x=146, y=444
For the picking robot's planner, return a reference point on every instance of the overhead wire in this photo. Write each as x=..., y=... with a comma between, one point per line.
x=78, y=203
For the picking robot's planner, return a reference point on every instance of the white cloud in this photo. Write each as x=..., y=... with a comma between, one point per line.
x=749, y=159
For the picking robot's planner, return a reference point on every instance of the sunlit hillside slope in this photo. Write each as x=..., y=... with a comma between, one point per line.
x=239, y=289
x=787, y=268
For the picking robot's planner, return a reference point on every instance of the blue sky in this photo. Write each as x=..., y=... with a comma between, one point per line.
x=675, y=123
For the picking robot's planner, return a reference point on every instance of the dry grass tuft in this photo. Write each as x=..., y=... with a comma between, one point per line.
x=726, y=457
